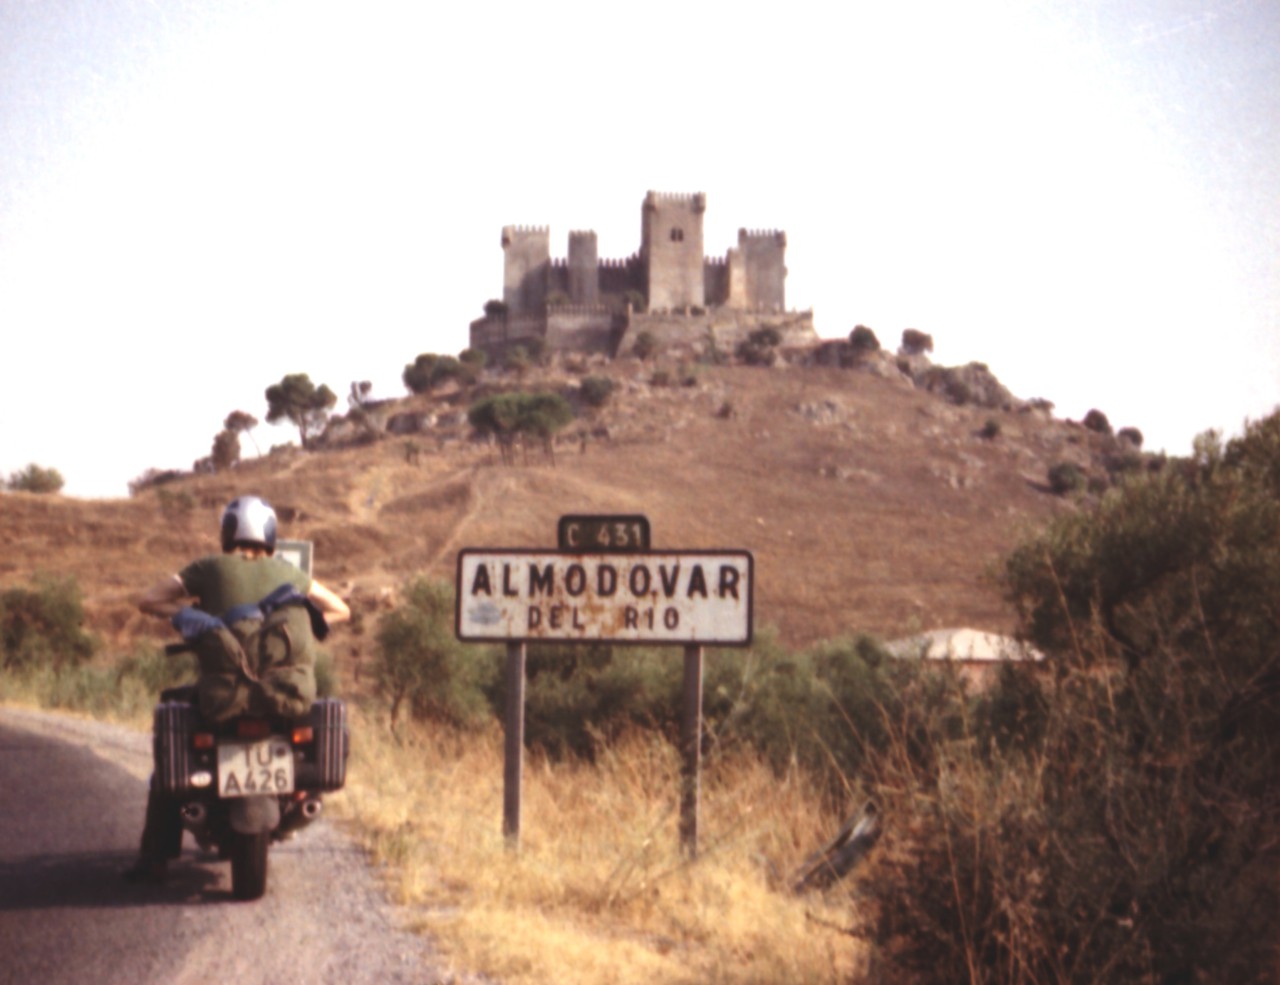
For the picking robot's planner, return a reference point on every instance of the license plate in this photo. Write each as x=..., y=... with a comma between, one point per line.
x=248, y=769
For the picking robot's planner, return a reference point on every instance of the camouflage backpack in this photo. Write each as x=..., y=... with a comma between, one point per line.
x=260, y=665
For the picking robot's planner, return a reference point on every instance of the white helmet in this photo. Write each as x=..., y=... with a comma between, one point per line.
x=251, y=521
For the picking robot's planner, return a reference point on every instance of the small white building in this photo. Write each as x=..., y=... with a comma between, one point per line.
x=977, y=653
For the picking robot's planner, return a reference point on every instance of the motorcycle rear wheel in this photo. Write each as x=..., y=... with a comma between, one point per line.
x=249, y=865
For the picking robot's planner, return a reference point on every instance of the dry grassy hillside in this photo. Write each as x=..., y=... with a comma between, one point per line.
x=869, y=505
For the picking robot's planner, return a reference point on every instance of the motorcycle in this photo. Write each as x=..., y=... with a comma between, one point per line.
x=243, y=783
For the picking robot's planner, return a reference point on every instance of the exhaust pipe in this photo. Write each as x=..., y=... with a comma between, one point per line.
x=194, y=814
x=311, y=808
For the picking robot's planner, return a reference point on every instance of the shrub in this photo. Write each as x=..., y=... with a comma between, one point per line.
x=43, y=625
x=645, y=346
x=581, y=698
x=660, y=378
x=821, y=709
x=915, y=342
x=429, y=371
x=1132, y=435
x=760, y=347
x=36, y=479
x=475, y=358
x=1097, y=421
x=1112, y=817
x=1066, y=477
x=421, y=666
x=226, y=450
x=596, y=390
x=863, y=340
x=494, y=308
x=990, y=430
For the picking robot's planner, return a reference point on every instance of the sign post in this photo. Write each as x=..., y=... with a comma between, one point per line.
x=513, y=750
x=605, y=585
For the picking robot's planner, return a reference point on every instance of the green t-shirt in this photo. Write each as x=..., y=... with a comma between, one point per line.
x=223, y=581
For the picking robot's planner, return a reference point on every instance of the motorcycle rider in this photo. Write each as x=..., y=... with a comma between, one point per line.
x=245, y=572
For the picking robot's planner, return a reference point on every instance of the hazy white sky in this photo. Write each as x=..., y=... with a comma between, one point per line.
x=199, y=197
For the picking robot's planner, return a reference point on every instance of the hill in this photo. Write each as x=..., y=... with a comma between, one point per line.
x=870, y=503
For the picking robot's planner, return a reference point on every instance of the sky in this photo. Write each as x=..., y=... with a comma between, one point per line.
x=197, y=198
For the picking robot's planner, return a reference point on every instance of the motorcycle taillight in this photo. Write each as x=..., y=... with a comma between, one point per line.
x=252, y=728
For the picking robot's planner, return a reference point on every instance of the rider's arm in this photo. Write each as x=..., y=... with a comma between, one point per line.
x=328, y=602
x=165, y=597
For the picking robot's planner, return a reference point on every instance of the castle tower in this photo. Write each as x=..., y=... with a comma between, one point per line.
x=671, y=250
x=761, y=285
x=584, y=268
x=526, y=266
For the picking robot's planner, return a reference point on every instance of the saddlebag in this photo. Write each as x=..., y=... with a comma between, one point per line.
x=171, y=736
x=329, y=721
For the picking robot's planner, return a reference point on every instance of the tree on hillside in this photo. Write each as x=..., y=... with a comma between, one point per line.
x=242, y=422
x=915, y=342
x=297, y=399
x=523, y=417
x=430, y=370
x=226, y=450
x=863, y=340
x=35, y=479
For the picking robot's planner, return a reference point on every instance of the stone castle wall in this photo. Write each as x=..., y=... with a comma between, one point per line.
x=670, y=279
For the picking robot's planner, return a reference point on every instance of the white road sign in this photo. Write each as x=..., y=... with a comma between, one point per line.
x=690, y=597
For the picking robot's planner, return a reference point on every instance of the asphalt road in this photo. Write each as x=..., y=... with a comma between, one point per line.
x=72, y=795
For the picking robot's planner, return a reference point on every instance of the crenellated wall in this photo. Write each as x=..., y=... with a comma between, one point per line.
x=671, y=248
x=764, y=269
x=526, y=266
x=670, y=274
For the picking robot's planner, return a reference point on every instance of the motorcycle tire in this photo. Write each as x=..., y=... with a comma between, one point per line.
x=249, y=865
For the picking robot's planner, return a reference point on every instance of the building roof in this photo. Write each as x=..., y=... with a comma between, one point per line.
x=966, y=645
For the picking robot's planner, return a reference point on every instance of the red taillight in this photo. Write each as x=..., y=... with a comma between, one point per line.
x=302, y=734
x=203, y=740
x=253, y=728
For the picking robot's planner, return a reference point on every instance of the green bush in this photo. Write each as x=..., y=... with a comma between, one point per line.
x=645, y=346
x=420, y=665
x=580, y=698
x=1066, y=477
x=596, y=390
x=760, y=348
x=915, y=342
x=36, y=479
x=1097, y=422
x=43, y=625
x=1113, y=816
x=863, y=340
x=820, y=709
x=523, y=417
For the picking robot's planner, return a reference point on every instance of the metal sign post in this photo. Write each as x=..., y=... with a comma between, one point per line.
x=605, y=585
x=513, y=751
x=691, y=751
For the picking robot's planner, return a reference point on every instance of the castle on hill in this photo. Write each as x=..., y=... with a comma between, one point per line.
x=669, y=289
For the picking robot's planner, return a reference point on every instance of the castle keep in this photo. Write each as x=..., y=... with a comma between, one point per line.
x=669, y=289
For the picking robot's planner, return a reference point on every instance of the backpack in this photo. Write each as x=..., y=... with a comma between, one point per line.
x=257, y=666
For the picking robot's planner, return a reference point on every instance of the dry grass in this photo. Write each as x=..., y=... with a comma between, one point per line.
x=599, y=890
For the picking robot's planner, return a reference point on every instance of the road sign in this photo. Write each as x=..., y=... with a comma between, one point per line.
x=296, y=552
x=682, y=597
x=626, y=533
